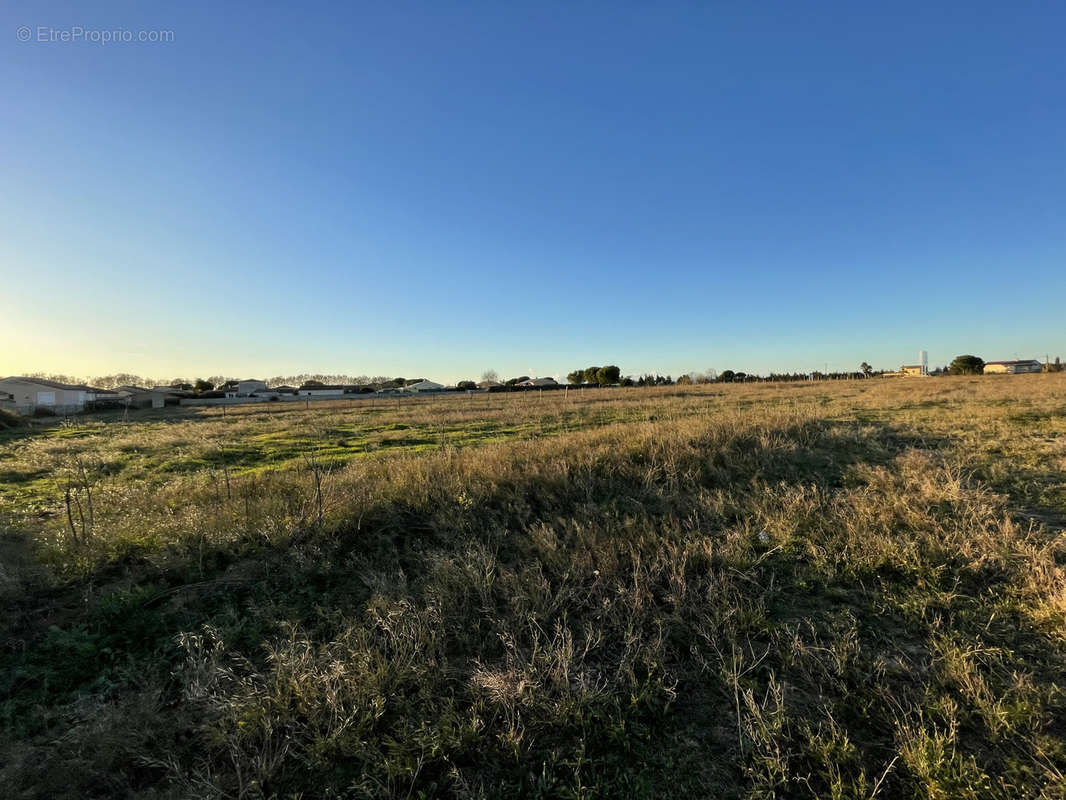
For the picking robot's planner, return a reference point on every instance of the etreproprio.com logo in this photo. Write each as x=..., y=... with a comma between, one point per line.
x=78, y=33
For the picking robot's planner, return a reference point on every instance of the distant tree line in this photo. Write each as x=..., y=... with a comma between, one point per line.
x=650, y=380
x=325, y=380
x=610, y=375
x=598, y=376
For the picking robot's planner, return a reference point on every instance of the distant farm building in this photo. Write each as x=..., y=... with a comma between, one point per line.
x=919, y=370
x=425, y=386
x=320, y=390
x=245, y=388
x=139, y=397
x=129, y=390
x=250, y=387
x=1012, y=367
x=540, y=382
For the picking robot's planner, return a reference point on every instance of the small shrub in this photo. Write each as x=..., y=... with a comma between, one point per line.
x=9, y=419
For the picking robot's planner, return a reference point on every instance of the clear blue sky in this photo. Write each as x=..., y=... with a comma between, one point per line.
x=440, y=188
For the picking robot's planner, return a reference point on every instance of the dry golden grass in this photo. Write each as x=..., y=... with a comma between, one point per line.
x=844, y=590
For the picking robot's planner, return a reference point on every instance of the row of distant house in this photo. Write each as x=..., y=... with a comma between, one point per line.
x=28, y=395
x=991, y=368
x=257, y=388
x=31, y=395
x=1013, y=367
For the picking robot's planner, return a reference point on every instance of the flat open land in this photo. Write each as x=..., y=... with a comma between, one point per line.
x=841, y=590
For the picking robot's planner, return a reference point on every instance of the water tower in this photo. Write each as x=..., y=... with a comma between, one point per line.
x=923, y=359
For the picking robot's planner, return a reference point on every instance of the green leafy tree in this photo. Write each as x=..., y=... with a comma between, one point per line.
x=684, y=380
x=726, y=376
x=576, y=377
x=466, y=385
x=203, y=386
x=591, y=374
x=967, y=365
x=609, y=375
x=866, y=369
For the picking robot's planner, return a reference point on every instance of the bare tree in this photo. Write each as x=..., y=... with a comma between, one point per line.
x=79, y=476
x=119, y=379
x=48, y=376
x=490, y=375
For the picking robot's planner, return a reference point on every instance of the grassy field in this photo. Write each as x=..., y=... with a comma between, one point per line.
x=839, y=590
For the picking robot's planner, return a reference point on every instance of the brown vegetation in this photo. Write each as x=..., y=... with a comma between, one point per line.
x=846, y=590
